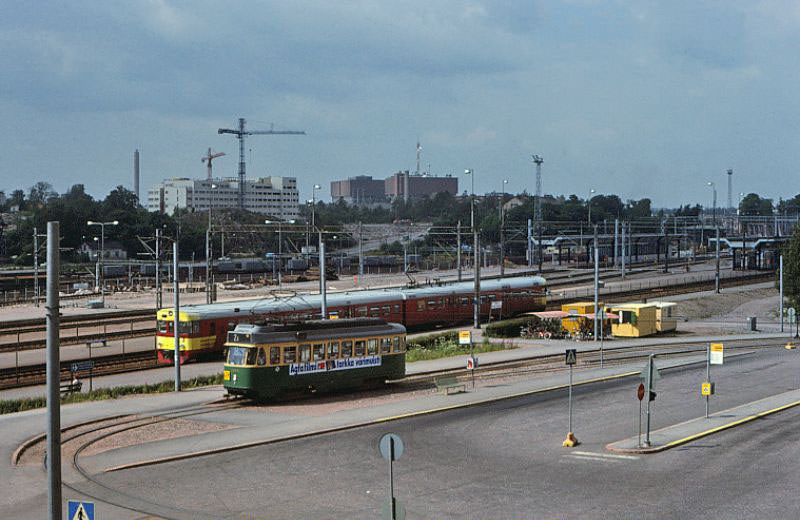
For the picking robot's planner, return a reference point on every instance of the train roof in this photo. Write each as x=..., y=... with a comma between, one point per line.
x=303, y=302
x=312, y=330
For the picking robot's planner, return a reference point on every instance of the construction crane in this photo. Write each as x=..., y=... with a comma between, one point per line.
x=240, y=132
x=210, y=157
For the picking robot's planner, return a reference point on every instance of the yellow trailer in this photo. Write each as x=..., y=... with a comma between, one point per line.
x=666, y=320
x=636, y=320
x=572, y=324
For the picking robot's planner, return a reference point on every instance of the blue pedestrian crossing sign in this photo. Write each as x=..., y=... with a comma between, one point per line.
x=78, y=510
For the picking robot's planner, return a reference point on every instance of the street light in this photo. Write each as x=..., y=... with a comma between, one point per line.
x=314, y=203
x=716, y=229
x=714, y=204
x=471, y=173
x=209, y=267
x=100, y=258
x=589, y=204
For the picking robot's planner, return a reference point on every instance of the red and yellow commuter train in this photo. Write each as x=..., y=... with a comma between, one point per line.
x=203, y=328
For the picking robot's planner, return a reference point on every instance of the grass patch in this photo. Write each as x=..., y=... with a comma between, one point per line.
x=30, y=403
x=436, y=346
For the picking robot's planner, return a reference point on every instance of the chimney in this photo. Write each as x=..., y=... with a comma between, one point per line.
x=136, y=175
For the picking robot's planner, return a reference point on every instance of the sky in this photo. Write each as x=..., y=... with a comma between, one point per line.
x=641, y=98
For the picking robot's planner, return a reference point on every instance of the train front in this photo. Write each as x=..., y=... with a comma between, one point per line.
x=194, y=339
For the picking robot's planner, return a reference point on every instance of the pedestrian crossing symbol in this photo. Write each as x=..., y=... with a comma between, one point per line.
x=571, y=356
x=80, y=510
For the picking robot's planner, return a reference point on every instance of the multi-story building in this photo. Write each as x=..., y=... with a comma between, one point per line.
x=273, y=196
x=362, y=189
x=419, y=185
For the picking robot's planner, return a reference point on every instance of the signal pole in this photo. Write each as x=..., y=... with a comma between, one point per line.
x=53, y=376
x=477, y=296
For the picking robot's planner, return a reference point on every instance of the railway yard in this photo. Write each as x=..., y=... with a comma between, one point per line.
x=116, y=452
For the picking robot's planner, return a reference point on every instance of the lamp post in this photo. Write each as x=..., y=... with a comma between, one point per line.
x=589, y=204
x=314, y=204
x=209, y=281
x=716, y=232
x=471, y=173
x=100, y=258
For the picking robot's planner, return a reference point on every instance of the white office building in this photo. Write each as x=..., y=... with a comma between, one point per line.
x=271, y=196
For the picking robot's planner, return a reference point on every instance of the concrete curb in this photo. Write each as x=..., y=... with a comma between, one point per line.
x=699, y=435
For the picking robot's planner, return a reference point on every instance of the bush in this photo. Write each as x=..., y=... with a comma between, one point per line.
x=511, y=328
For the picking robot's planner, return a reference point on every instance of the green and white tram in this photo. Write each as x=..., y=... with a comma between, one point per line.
x=266, y=360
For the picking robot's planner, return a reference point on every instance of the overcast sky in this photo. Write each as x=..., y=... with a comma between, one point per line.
x=642, y=99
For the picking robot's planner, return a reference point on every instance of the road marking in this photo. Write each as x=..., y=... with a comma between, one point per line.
x=595, y=459
x=607, y=455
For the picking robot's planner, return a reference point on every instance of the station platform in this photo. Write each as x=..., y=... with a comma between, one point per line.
x=679, y=434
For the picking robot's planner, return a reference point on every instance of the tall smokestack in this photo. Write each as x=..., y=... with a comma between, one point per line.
x=136, y=174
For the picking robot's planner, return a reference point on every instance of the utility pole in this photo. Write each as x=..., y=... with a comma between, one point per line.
x=716, y=276
x=528, y=247
x=458, y=249
x=596, y=286
x=322, y=285
x=623, y=250
x=666, y=245
x=240, y=133
x=780, y=308
x=159, y=295
x=477, y=296
x=53, y=375
x=176, y=289
x=616, y=242
x=360, y=253
x=36, y=288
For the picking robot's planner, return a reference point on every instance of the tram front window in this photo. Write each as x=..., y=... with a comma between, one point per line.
x=241, y=356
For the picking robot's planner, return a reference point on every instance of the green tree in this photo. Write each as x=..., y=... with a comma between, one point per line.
x=791, y=269
x=752, y=204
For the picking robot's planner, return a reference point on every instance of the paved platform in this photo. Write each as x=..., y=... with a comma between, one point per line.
x=688, y=431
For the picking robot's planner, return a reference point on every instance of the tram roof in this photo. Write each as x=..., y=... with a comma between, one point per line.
x=301, y=302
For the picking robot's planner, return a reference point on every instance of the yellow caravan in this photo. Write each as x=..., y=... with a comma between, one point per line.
x=572, y=324
x=666, y=320
x=636, y=320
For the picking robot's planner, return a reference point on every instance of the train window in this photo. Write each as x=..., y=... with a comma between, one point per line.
x=386, y=345
x=290, y=354
x=441, y=301
x=231, y=325
x=420, y=305
x=305, y=353
x=374, y=311
x=398, y=344
x=432, y=303
x=464, y=301
x=387, y=309
x=492, y=297
x=262, y=358
x=360, y=347
x=213, y=328
x=362, y=311
x=347, y=348
x=163, y=326
x=319, y=352
x=372, y=347
x=333, y=350
x=483, y=299
x=396, y=308
x=274, y=355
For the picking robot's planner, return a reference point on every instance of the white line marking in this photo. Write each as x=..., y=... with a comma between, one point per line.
x=595, y=459
x=608, y=455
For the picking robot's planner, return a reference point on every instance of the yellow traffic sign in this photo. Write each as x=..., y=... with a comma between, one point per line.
x=717, y=353
x=707, y=388
x=464, y=337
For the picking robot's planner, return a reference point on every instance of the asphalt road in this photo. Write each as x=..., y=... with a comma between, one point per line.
x=504, y=460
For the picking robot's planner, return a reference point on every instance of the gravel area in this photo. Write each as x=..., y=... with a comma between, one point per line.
x=147, y=429
x=733, y=305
